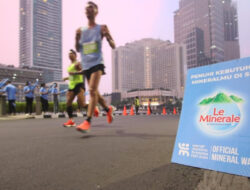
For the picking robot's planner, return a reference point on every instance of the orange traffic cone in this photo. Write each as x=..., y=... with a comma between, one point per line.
x=148, y=112
x=132, y=111
x=174, y=111
x=164, y=111
x=124, y=111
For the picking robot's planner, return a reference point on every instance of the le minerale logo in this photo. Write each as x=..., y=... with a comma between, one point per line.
x=220, y=114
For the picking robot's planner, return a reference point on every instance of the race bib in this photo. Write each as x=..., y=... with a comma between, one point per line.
x=91, y=47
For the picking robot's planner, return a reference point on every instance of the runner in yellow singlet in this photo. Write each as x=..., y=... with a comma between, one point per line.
x=76, y=88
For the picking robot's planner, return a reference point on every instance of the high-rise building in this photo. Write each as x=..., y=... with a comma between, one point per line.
x=209, y=29
x=148, y=64
x=40, y=34
x=232, y=47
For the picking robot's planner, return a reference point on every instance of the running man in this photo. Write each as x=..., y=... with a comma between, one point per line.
x=88, y=42
x=76, y=88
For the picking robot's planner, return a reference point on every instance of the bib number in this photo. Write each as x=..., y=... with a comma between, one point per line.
x=91, y=47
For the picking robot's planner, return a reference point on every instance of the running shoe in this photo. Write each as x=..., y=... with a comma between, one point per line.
x=69, y=123
x=96, y=112
x=110, y=115
x=84, y=127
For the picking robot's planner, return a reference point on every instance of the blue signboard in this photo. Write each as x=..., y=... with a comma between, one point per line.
x=214, y=127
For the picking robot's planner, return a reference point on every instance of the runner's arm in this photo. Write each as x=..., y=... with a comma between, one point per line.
x=76, y=73
x=78, y=66
x=106, y=33
x=77, y=38
x=65, y=78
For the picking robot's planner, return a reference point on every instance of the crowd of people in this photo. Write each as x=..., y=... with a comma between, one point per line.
x=11, y=90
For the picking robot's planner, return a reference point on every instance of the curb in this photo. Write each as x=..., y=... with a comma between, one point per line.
x=213, y=180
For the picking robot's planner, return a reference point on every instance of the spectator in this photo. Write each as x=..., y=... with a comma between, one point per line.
x=55, y=93
x=11, y=91
x=44, y=98
x=29, y=96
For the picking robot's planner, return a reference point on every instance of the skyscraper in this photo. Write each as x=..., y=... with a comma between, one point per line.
x=149, y=63
x=209, y=29
x=231, y=34
x=41, y=37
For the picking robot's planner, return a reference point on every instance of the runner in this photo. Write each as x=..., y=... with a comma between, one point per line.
x=76, y=88
x=88, y=42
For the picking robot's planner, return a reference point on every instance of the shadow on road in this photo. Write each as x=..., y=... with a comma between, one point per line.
x=167, y=177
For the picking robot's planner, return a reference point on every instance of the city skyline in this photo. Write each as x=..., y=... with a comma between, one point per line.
x=127, y=20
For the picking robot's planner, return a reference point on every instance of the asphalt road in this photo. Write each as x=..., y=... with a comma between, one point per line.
x=132, y=153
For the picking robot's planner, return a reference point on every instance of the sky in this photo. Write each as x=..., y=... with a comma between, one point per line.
x=128, y=20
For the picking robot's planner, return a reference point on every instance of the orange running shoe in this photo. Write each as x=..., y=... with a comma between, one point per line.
x=96, y=112
x=84, y=127
x=69, y=123
x=110, y=115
